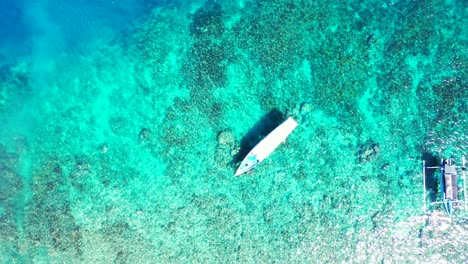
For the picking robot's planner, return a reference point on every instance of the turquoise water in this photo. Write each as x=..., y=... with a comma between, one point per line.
x=111, y=115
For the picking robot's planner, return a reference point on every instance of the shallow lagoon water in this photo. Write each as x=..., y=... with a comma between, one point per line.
x=110, y=147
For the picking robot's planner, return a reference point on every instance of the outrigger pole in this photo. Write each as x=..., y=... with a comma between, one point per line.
x=424, y=181
x=464, y=178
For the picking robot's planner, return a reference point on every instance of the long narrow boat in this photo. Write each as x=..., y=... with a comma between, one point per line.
x=448, y=185
x=265, y=147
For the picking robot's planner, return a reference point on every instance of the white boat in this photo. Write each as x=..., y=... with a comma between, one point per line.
x=265, y=147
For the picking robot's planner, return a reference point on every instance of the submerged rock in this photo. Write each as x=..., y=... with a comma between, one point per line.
x=300, y=111
x=235, y=150
x=226, y=138
x=144, y=134
x=104, y=148
x=293, y=112
x=305, y=108
x=368, y=152
x=227, y=147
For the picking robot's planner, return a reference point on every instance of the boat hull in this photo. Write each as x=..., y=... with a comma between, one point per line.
x=265, y=147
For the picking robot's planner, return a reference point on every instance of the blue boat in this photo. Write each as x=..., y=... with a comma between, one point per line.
x=448, y=185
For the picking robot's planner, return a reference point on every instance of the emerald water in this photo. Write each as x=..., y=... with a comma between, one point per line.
x=121, y=124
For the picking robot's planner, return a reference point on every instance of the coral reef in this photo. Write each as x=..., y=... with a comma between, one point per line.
x=205, y=66
x=208, y=52
x=132, y=154
x=11, y=184
x=50, y=219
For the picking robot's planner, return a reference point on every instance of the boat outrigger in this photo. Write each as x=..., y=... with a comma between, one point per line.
x=448, y=185
x=265, y=147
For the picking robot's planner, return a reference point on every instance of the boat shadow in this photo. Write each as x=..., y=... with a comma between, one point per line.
x=263, y=127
